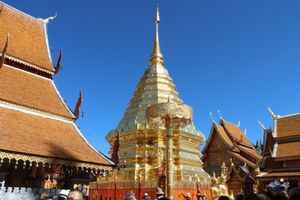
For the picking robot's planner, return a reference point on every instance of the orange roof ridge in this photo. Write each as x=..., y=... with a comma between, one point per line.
x=236, y=125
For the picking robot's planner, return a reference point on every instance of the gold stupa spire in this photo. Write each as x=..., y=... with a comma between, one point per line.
x=156, y=56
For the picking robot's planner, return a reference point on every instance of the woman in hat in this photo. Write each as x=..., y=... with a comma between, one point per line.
x=159, y=193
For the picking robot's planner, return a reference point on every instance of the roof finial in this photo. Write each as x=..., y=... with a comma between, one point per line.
x=239, y=123
x=272, y=113
x=77, y=107
x=47, y=20
x=58, y=64
x=262, y=125
x=212, y=117
x=220, y=116
x=156, y=56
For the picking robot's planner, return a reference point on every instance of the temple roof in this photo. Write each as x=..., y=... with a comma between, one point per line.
x=284, y=142
x=288, y=149
x=236, y=141
x=34, y=119
x=288, y=125
x=39, y=135
x=236, y=133
x=28, y=41
x=32, y=91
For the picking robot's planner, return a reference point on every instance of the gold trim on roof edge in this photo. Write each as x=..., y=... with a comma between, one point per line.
x=45, y=160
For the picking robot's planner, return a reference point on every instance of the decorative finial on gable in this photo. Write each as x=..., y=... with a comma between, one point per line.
x=239, y=123
x=58, y=64
x=47, y=20
x=261, y=125
x=78, y=104
x=220, y=116
x=272, y=114
x=212, y=117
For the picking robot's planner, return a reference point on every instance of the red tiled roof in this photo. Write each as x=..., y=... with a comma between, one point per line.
x=40, y=136
x=31, y=91
x=27, y=37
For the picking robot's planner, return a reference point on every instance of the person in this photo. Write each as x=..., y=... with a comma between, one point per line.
x=129, y=196
x=199, y=196
x=75, y=195
x=146, y=196
x=294, y=193
x=240, y=196
x=187, y=196
x=262, y=197
x=63, y=195
x=43, y=196
x=280, y=196
x=159, y=193
x=224, y=198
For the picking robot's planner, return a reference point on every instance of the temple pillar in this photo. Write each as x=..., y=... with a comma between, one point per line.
x=170, y=165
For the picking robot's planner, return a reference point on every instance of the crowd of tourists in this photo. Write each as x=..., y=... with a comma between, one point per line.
x=159, y=195
x=65, y=195
x=274, y=191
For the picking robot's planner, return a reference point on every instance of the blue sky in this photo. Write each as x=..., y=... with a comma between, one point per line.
x=239, y=56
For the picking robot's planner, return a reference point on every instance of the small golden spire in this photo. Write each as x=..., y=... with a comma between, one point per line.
x=156, y=56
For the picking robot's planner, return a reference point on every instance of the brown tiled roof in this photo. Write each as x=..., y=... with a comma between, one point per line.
x=237, y=148
x=289, y=149
x=243, y=159
x=237, y=133
x=288, y=126
x=231, y=133
x=31, y=91
x=223, y=134
x=251, y=151
x=40, y=136
x=27, y=37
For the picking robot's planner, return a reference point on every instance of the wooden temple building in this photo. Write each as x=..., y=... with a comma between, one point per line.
x=140, y=149
x=40, y=144
x=229, y=152
x=281, y=150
